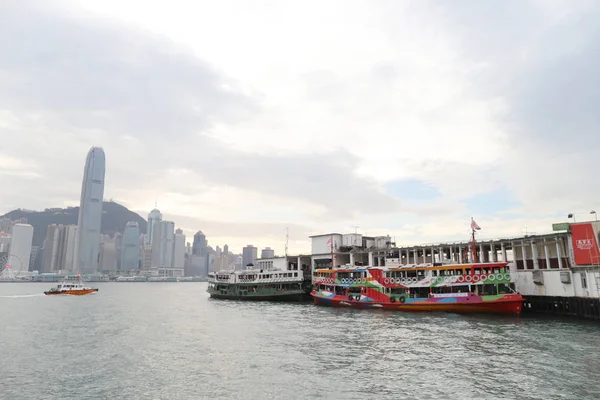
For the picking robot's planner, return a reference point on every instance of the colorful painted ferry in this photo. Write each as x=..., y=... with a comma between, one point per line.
x=274, y=279
x=456, y=288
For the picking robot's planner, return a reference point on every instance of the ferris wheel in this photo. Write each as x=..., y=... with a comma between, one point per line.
x=10, y=271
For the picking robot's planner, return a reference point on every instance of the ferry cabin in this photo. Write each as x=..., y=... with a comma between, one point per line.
x=418, y=281
x=252, y=281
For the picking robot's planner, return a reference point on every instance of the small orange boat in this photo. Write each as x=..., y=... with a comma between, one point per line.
x=73, y=288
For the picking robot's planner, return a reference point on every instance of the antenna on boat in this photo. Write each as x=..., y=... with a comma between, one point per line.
x=474, y=227
x=287, y=238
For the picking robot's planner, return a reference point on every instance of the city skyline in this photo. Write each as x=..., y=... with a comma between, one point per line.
x=408, y=126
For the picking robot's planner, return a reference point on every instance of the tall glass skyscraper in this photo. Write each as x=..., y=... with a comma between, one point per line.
x=154, y=222
x=90, y=212
x=130, y=253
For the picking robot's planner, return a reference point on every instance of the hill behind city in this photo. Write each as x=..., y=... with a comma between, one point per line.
x=114, y=218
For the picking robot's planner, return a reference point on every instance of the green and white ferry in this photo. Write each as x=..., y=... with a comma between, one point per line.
x=272, y=279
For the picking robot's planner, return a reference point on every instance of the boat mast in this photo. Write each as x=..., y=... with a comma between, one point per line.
x=287, y=238
x=332, y=256
x=473, y=243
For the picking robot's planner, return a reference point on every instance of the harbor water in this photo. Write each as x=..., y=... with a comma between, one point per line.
x=171, y=341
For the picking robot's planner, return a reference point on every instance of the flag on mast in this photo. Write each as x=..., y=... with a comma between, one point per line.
x=474, y=225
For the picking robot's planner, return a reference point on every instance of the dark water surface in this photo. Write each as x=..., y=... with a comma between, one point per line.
x=170, y=341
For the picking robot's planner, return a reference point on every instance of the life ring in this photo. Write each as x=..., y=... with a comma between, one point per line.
x=386, y=280
x=350, y=297
x=447, y=279
x=507, y=277
x=499, y=277
x=468, y=278
x=403, y=281
x=491, y=278
x=476, y=278
x=415, y=280
x=364, y=280
x=392, y=299
x=401, y=299
x=460, y=279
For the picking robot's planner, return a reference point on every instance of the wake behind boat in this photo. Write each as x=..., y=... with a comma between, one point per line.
x=75, y=288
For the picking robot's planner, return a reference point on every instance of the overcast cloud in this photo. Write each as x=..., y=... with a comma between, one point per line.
x=244, y=118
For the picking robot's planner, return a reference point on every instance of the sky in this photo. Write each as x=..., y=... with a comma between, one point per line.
x=251, y=119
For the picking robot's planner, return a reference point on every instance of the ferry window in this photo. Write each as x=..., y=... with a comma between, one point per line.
x=477, y=270
x=583, y=280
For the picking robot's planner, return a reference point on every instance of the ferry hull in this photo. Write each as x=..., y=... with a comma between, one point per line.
x=263, y=297
x=71, y=292
x=512, y=305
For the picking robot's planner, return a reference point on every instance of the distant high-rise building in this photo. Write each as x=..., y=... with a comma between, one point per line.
x=210, y=262
x=226, y=250
x=5, y=225
x=218, y=251
x=4, y=248
x=20, y=247
x=119, y=245
x=249, y=254
x=34, y=255
x=90, y=212
x=156, y=244
x=167, y=242
x=147, y=257
x=200, y=245
x=179, y=250
x=108, y=255
x=130, y=251
x=267, y=252
x=59, y=248
x=154, y=220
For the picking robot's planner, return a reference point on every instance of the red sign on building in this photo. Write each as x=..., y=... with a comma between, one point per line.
x=585, y=244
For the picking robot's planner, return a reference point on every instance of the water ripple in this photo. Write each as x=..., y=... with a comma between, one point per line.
x=170, y=341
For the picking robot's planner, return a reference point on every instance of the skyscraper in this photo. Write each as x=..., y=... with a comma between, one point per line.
x=108, y=255
x=179, y=250
x=166, y=244
x=90, y=212
x=130, y=251
x=154, y=220
x=20, y=247
x=199, y=257
x=59, y=248
x=267, y=252
x=200, y=245
x=248, y=256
